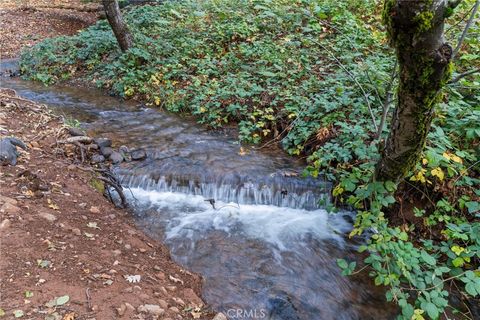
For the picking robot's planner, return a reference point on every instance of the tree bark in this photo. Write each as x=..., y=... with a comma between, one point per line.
x=119, y=27
x=415, y=30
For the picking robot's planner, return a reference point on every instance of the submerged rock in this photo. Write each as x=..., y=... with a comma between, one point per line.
x=138, y=155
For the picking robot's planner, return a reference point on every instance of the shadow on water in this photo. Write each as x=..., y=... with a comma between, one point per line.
x=266, y=248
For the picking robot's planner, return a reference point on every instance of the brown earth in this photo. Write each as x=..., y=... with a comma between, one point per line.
x=24, y=23
x=59, y=236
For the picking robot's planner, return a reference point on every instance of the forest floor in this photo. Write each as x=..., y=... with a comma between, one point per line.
x=66, y=252
x=59, y=238
x=27, y=22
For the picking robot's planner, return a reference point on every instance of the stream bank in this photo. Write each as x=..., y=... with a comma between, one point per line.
x=60, y=237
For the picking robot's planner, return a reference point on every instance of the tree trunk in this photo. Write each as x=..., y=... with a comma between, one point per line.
x=119, y=27
x=415, y=29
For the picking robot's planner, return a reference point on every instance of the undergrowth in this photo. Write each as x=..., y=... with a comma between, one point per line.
x=315, y=77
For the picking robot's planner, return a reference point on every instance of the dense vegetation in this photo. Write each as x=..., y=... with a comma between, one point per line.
x=315, y=76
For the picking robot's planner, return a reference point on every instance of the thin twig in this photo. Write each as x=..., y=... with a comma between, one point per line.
x=387, y=101
x=463, y=75
x=465, y=30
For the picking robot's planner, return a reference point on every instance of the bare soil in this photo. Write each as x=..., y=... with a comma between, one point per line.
x=60, y=237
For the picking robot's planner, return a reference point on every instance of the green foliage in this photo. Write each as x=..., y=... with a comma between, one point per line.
x=306, y=73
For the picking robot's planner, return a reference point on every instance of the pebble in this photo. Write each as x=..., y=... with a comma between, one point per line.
x=178, y=301
x=116, y=157
x=157, y=268
x=121, y=309
x=171, y=288
x=5, y=224
x=97, y=158
x=128, y=247
x=192, y=297
x=103, y=142
x=76, y=132
x=117, y=252
x=47, y=216
x=76, y=232
x=151, y=309
x=138, y=155
x=164, y=291
x=129, y=306
x=94, y=210
x=163, y=303
x=106, y=151
x=174, y=309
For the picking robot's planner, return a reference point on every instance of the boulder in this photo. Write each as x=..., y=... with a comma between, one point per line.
x=103, y=142
x=138, y=155
x=125, y=152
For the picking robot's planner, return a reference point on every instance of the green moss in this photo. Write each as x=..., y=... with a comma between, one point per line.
x=97, y=185
x=448, y=12
x=387, y=19
x=424, y=21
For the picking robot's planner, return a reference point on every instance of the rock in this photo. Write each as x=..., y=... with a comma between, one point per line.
x=76, y=232
x=163, y=304
x=117, y=252
x=94, y=210
x=106, y=151
x=179, y=301
x=192, y=297
x=138, y=155
x=129, y=306
x=153, y=309
x=220, y=316
x=121, y=309
x=103, y=142
x=97, y=158
x=76, y=132
x=47, y=216
x=4, y=199
x=8, y=150
x=116, y=157
x=128, y=247
x=171, y=288
x=5, y=224
x=174, y=309
x=10, y=208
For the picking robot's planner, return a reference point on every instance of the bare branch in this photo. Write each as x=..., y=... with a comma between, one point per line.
x=463, y=75
x=465, y=30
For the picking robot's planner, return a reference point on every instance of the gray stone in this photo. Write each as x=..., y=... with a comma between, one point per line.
x=47, y=216
x=97, y=158
x=8, y=150
x=106, y=151
x=103, y=142
x=125, y=152
x=116, y=157
x=153, y=309
x=138, y=155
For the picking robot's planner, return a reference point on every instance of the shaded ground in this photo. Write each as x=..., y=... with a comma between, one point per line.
x=59, y=236
x=24, y=23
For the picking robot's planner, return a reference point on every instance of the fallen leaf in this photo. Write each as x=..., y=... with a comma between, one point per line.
x=52, y=205
x=176, y=280
x=43, y=263
x=196, y=313
x=2, y=313
x=69, y=316
x=133, y=278
x=92, y=225
x=62, y=300
x=108, y=282
x=18, y=313
x=28, y=294
x=89, y=235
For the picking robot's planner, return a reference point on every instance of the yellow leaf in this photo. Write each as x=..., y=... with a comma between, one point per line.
x=157, y=101
x=438, y=172
x=52, y=204
x=456, y=158
x=446, y=156
x=424, y=161
x=338, y=190
x=69, y=316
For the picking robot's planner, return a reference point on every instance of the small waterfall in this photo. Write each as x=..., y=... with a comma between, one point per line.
x=275, y=189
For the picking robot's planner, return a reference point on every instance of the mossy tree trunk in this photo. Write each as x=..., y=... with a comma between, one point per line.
x=415, y=30
x=119, y=27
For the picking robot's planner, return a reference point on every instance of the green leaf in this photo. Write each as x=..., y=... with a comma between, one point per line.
x=471, y=290
x=28, y=294
x=342, y=263
x=431, y=310
x=458, y=262
x=390, y=186
x=62, y=300
x=18, y=313
x=2, y=312
x=428, y=258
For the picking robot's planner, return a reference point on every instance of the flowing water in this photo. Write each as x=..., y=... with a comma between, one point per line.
x=246, y=220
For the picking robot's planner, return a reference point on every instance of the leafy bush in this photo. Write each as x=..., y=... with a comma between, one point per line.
x=313, y=75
